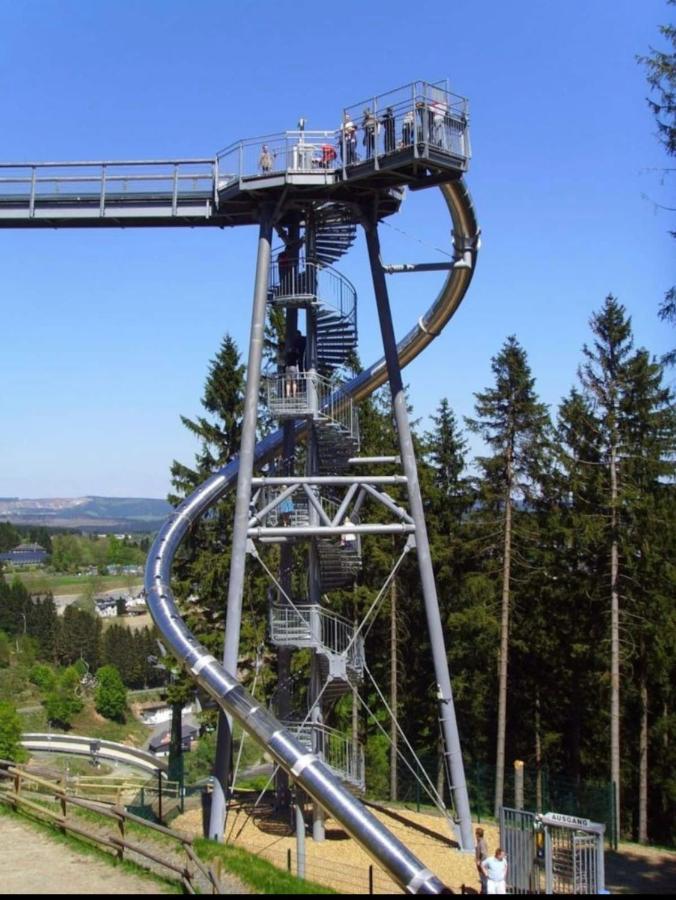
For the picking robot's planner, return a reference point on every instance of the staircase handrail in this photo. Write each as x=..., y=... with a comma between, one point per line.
x=309, y=393
x=337, y=748
x=340, y=631
x=310, y=282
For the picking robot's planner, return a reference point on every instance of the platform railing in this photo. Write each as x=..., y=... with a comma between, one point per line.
x=102, y=182
x=297, y=515
x=275, y=154
x=294, y=395
x=421, y=116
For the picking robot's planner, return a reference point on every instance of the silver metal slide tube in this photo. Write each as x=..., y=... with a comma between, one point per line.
x=306, y=770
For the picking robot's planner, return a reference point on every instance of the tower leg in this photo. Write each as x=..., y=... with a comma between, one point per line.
x=445, y=695
x=223, y=762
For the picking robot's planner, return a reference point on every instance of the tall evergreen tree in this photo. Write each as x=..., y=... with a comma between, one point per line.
x=203, y=563
x=515, y=425
x=604, y=377
x=648, y=426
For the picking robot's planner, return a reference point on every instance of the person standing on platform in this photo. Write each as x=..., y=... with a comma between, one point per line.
x=407, y=129
x=495, y=870
x=389, y=130
x=298, y=345
x=291, y=373
x=349, y=140
x=265, y=159
x=480, y=854
x=369, y=125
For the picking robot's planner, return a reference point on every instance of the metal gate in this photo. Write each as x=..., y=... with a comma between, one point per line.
x=552, y=853
x=518, y=840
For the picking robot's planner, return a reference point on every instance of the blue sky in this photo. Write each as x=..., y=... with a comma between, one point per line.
x=106, y=336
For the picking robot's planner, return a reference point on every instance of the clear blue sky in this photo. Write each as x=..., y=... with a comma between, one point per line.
x=106, y=336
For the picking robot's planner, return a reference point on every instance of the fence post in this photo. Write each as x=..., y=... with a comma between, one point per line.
x=64, y=811
x=159, y=794
x=370, y=879
x=614, y=837
x=120, y=828
x=17, y=788
x=288, y=859
x=518, y=784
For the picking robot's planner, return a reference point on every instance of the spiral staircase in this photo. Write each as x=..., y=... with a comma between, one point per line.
x=312, y=283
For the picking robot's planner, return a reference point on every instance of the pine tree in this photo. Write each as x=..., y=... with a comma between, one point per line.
x=203, y=563
x=604, y=378
x=648, y=427
x=515, y=425
x=578, y=534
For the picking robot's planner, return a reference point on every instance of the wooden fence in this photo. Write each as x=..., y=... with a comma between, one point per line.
x=16, y=782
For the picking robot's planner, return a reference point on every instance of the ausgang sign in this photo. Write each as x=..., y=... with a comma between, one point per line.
x=552, y=818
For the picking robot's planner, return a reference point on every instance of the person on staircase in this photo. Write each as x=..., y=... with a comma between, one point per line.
x=298, y=344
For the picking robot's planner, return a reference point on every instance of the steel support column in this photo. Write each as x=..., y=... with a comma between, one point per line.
x=223, y=761
x=445, y=695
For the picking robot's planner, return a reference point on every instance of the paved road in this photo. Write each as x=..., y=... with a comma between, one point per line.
x=33, y=863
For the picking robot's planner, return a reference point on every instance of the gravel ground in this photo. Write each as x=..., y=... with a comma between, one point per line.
x=339, y=862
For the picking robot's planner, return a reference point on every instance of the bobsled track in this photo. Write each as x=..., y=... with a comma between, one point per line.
x=434, y=151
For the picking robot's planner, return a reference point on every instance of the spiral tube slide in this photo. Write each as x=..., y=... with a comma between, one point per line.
x=305, y=768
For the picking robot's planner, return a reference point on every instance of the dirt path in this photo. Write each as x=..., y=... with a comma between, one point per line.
x=640, y=870
x=32, y=863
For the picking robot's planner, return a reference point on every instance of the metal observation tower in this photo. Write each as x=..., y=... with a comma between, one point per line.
x=313, y=189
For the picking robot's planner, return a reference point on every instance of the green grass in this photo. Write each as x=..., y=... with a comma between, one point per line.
x=134, y=623
x=42, y=582
x=84, y=848
x=255, y=872
x=90, y=724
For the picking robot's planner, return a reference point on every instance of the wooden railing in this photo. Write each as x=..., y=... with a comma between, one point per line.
x=16, y=782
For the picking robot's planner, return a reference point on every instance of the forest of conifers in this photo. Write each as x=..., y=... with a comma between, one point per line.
x=553, y=554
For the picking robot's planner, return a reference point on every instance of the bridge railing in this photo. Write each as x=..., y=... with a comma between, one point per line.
x=102, y=182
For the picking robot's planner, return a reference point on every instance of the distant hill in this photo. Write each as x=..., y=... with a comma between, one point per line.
x=104, y=514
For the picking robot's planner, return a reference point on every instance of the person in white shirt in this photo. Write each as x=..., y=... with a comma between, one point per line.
x=495, y=870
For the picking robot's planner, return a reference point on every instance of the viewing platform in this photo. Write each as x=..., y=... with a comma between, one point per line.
x=416, y=136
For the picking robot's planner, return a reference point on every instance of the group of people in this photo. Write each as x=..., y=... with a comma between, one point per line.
x=429, y=122
x=492, y=870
